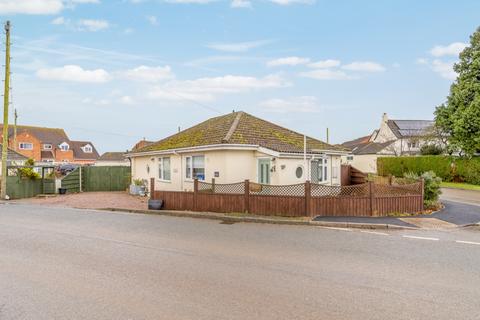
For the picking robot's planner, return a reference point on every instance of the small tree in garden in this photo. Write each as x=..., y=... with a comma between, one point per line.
x=431, y=149
x=459, y=116
x=431, y=187
x=29, y=172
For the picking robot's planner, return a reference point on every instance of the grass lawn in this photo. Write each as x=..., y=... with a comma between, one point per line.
x=464, y=186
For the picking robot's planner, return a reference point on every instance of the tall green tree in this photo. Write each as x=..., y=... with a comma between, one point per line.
x=459, y=116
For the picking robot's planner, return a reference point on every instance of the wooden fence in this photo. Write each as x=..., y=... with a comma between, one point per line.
x=19, y=187
x=89, y=179
x=306, y=199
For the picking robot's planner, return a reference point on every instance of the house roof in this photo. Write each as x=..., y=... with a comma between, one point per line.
x=363, y=145
x=371, y=148
x=240, y=128
x=410, y=128
x=356, y=142
x=54, y=136
x=13, y=155
x=78, y=153
x=112, y=156
x=141, y=144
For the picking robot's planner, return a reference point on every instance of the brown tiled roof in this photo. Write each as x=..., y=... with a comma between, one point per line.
x=13, y=155
x=112, y=156
x=142, y=144
x=240, y=128
x=54, y=136
x=78, y=153
x=355, y=143
x=363, y=145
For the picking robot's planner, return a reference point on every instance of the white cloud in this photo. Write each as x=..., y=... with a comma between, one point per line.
x=322, y=64
x=149, y=74
x=85, y=1
x=327, y=74
x=190, y=1
x=295, y=104
x=444, y=69
x=206, y=89
x=240, y=4
x=288, y=61
x=289, y=2
x=238, y=47
x=365, y=66
x=59, y=21
x=152, y=20
x=31, y=6
x=74, y=73
x=128, y=31
x=93, y=25
x=452, y=49
x=126, y=100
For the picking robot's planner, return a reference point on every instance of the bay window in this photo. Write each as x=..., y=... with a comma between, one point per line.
x=164, y=169
x=195, y=167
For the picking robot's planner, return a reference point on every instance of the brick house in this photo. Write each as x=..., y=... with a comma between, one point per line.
x=50, y=145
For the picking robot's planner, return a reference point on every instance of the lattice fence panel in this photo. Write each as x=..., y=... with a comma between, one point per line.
x=205, y=187
x=231, y=188
x=397, y=190
x=358, y=190
x=294, y=190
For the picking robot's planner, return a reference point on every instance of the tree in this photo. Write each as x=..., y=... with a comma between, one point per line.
x=459, y=116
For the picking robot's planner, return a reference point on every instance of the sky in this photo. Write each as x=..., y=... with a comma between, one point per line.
x=117, y=71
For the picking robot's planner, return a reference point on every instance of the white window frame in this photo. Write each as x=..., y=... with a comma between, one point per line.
x=189, y=173
x=161, y=171
x=323, y=167
x=64, y=146
x=47, y=146
x=21, y=145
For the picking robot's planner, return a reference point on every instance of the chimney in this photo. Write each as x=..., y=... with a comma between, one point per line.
x=384, y=117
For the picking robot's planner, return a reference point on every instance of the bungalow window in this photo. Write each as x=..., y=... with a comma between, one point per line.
x=47, y=146
x=164, y=169
x=25, y=146
x=319, y=170
x=195, y=167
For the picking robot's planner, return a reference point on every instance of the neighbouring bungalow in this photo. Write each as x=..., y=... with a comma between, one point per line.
x=112, y=159
x=235, y=147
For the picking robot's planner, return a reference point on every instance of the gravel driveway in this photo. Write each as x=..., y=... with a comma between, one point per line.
x=92, y=200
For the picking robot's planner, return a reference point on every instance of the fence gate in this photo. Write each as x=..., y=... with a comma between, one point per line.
x=90, y=179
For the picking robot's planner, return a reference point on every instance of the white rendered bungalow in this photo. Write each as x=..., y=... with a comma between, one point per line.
x=235, y=147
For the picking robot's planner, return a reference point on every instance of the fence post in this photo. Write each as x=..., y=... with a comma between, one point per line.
x=247, y=195
x=152, y=188
x=308, y=196
x=370, y=192
x=422, y=186
x=195, y=192
x=80, y=179
x=213, y=185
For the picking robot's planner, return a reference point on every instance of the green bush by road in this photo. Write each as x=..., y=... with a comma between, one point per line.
x=448, y=168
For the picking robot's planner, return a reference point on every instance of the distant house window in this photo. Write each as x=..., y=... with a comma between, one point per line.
x=412, y=145
x=87, y=149
x=299, y=172
x=349, y=158
x=195, y=167
x=164, y=169
x=25, y=146
x=47, y=146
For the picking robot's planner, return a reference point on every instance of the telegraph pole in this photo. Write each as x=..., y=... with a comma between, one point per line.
x=15, y=117
x=6, y=95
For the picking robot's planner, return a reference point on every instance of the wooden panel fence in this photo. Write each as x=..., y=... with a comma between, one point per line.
x=90, y=179
x=300, y=200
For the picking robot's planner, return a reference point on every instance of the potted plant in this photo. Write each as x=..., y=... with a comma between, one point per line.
x=138, y=187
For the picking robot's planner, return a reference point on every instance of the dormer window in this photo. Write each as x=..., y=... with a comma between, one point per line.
x=47, y=146
x=87, y=149
x=64, y=146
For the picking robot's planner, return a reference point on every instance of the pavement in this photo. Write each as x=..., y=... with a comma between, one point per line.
x=59, y=263
x=462, y=207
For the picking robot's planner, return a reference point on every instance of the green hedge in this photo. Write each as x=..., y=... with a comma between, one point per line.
x=447, y=168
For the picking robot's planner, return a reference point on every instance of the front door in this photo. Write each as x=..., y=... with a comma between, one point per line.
x=264, y=171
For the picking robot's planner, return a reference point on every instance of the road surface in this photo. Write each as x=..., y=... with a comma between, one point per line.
x=60, y=263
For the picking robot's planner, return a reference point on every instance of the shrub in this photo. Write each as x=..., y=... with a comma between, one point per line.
x=431, y=187
x=446, y=167
x=29, y=172
x=431, y=149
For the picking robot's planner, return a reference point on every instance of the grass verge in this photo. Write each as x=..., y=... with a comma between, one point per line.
x=463, y=186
